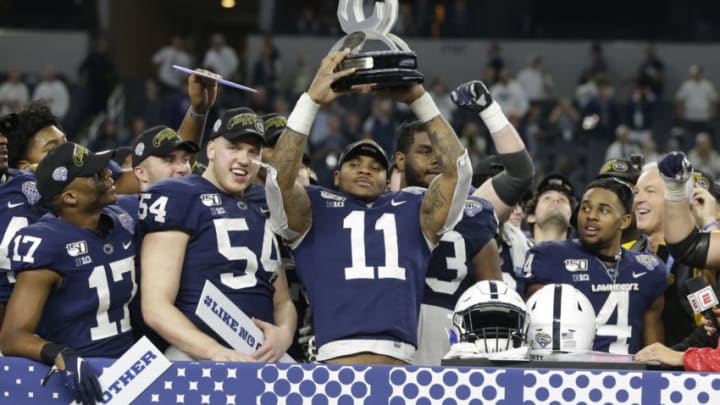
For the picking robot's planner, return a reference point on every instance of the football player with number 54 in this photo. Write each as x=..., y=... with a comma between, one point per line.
x=214, y=228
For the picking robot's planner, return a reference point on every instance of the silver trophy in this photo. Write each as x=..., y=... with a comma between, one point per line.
x=394, y=67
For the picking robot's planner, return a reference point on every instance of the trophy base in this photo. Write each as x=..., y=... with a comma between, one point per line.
x=383, y=68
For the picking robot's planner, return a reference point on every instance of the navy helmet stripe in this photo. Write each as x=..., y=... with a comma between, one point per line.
x=493, y=290
x=557, y=306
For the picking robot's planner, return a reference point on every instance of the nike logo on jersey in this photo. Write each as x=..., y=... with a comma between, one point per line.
x=264, y=211
x=396, y=203
x=636, y=275
x=13, y=205
x=127, y=244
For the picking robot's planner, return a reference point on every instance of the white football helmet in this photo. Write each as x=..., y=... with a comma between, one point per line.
x=562, y=319
x=491, y=317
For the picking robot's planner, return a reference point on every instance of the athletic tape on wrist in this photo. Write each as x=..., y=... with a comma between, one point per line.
x=494, y=118
x=675, y=191
x=302, y=116
x=424, y=108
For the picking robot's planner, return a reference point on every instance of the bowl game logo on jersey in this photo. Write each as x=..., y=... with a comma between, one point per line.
x=29, y=188
x=211, y=200
x=647, y=261
x=472, y=208
x=77, y=248
x=576, y=264
x=127, y=222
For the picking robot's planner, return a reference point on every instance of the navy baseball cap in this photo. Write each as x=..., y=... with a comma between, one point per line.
x=237, y=122
x=274, y=125
x=621, y=169
x=706, y=181
x=556, y=182
x=365, y=147
x=159, y=141
x=65, y=163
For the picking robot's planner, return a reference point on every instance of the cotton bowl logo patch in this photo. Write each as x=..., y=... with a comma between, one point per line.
x=139, y=149
x=60, y=173
x=542, y=339
x=29, y=188
x=472, y=208
x=77, y=248
x=127, y=222
x=647, y=261
x=210, y=200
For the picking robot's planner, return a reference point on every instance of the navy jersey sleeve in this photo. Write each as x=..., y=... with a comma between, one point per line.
x=541, y=264
x=167, y=206
x=478, y=224
x=33, y=248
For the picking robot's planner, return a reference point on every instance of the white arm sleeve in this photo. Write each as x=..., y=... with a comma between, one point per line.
x=462, y=188
x=278, y=217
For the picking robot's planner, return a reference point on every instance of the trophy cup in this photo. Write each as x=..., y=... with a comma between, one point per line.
x=394, y=67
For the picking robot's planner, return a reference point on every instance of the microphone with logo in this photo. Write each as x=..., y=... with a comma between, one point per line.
x=702, y=299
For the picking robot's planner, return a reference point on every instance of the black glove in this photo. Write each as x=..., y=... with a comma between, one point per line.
x=306, y=337
x=472, y=95
x=675, y=167
x=79, y=376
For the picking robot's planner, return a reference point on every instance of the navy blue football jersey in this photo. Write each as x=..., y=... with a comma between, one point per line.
x=619, y=304
x=364, y=265
x=18, y=195
x=231, y=243
x=89, y=311
x=451, y=271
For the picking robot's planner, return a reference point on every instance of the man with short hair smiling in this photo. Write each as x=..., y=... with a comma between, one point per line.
x=213, y=228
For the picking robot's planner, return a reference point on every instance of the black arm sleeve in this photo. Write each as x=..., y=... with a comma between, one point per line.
x=513, y=182
x=692, y=250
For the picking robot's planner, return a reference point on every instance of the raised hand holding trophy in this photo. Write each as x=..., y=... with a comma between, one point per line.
x=394, y=67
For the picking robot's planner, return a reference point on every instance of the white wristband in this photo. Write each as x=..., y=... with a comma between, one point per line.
x=192, y=114
x=494, y=118
x=676, y=191
x=302, y=116
x=424, y=108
